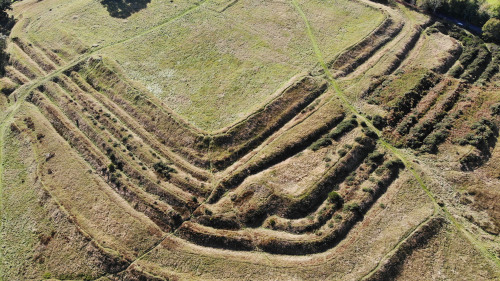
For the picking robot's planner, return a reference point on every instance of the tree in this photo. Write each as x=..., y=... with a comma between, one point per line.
x=432, y=5
x=6, y=23
x=491, y=30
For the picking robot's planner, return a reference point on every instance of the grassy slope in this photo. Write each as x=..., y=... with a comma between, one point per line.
x=36, y=238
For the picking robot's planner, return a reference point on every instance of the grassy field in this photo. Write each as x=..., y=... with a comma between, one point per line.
x=247, y=140
x=212, y=67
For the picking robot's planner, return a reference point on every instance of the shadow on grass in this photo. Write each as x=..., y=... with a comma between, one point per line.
x=124, y=8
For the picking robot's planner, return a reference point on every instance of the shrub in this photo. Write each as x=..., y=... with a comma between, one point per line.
x=111, y=168
x=342, y=152
x=379, y=122
x=334, y=197
x=163, y=169
x=456, y=70
x=375, y=157
x=367, y=190
x=483, y=131
x=351, y=207
x=394, y=164
x=371, y=134
x=470, y=161
x=495, y=109
x=491, y=30
x=342, y=128
x=322, y=142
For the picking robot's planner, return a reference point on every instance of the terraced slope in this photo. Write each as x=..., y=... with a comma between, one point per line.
x=247, y=140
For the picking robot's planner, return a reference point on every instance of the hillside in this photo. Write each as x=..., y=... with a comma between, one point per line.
x=247, y=140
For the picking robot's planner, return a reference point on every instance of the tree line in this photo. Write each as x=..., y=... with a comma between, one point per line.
x=6, y=23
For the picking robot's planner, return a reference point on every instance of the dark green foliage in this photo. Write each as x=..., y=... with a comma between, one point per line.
x=492, y=68
x=371, y=134
x=491, y=30
x=470, y=161
x=476, y=67
x=342, y=152
x=374, y=158
x=466, y=10
x=6, y=23
x=322, y=142
x=440, y=134
x=431, y=142
x=163, y=169
x=474, y=58
x=405, y=126
x=111, y=168
x=367, y=190
x=342, y=128
x=456, y=71
x=394, y=164
x=379, y=122
x=351, y=207
x=495, y=109
x=483, y=132
x=334, y=197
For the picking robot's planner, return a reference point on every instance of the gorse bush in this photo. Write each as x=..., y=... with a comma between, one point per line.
x=334, y=197
x=379, y=122
x=163, y=169
x=483, y=132
x=322, y=142
x=341, y=129
x=495, y=109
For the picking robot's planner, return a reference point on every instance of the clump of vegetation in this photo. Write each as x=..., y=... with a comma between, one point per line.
x=483, y=132
x=495, y=109
x=6, y=23
x=334, y=197
x=342, y=128
x=491, y=30
x=367, y=190
x=379, y=122
x=351, y=207
x=394, y=164
x=163, y=169
x=374, y=158
x=470, y=161
x=322, y=142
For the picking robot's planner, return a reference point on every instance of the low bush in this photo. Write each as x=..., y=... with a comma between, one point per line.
x=322, y=142
x=163, y=169
x=342, y=128
x=351, y=207
x=483, y=132
x=334, y=197
x=495, y=109
x=379, y=122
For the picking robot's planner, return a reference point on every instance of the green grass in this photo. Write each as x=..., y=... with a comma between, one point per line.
x=493, y=2
x=212, y=68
